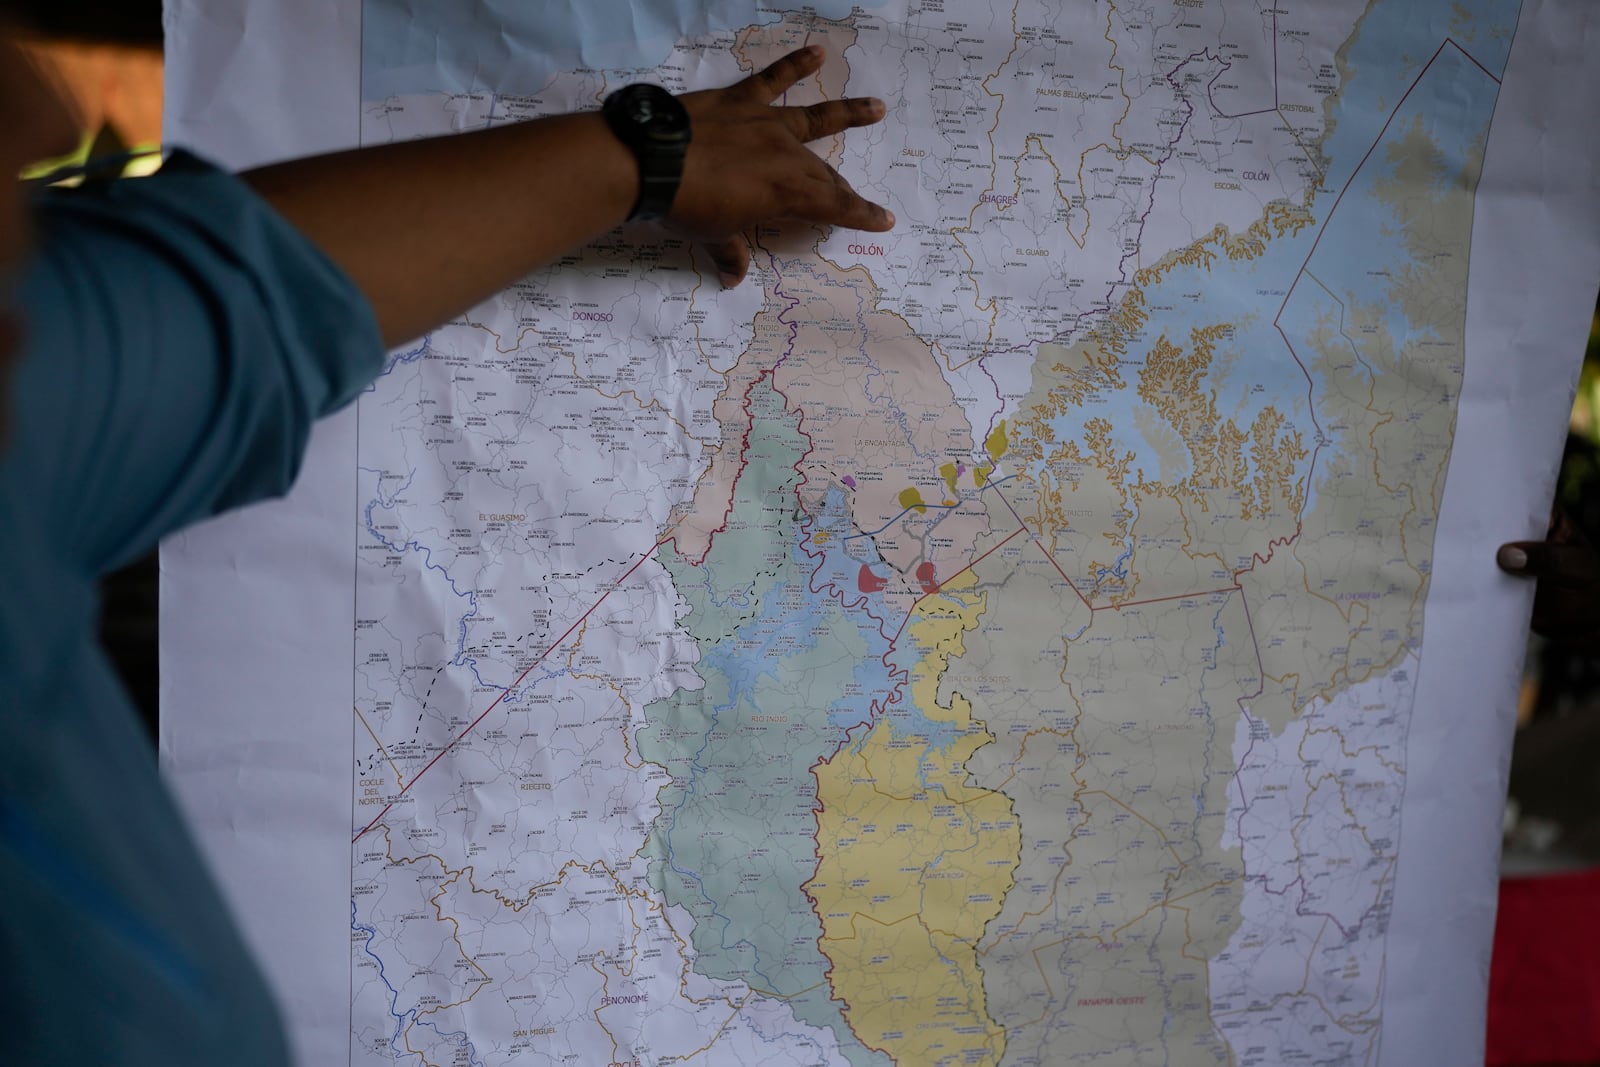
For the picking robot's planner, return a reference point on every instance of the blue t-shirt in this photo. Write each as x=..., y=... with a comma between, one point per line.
x=183, y=338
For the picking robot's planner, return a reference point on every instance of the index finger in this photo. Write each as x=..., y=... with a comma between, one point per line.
x=833, y=116
x=767, y=85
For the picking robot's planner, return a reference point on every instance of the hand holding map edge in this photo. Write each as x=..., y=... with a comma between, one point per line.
x=1566, y=607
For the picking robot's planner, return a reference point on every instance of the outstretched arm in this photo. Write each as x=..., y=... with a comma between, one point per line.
x=428, y=228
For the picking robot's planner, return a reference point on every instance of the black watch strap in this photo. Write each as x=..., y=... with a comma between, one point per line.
x=654, y=125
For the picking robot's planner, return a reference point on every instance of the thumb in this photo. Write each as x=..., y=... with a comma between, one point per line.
x=1571, y=564
x=1518, y=557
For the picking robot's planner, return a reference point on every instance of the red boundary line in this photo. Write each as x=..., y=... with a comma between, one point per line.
x=496, y=703
x=893, y=641
x=1166, y=599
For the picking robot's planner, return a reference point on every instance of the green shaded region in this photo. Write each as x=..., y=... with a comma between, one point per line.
x=950, y=472
x=736, y=836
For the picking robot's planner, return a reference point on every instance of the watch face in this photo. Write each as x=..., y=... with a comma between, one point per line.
x=656, y=112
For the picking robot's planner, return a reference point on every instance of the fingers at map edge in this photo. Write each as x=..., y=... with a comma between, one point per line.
x=1567, y=563
x=1513, y=558
x=731, y=259
x=769, y=84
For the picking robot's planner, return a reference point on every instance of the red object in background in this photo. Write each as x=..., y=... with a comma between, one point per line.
x=1544, y=982
x=868, y=582
x=926, y=575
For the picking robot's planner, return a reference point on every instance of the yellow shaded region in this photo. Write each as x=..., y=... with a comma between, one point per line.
x=998, y=443
x=821, y=537
x=980, y=475
x=912, y=498
x=935, y=628
x=914, y=865
x=950, y=473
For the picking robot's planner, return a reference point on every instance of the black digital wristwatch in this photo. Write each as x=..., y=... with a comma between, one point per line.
x=655, y=127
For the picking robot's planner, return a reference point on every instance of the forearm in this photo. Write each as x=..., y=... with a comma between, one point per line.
x=428, y=228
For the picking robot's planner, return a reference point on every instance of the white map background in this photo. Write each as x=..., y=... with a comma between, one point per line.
x=683, y=731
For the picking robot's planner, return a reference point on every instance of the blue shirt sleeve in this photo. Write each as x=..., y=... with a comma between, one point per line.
x=182, y=339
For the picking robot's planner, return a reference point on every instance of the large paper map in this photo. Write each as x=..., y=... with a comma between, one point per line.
x=988, y=642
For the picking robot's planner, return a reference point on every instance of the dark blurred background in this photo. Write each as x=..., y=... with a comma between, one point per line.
x=1553, y=813
x=132, y=22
